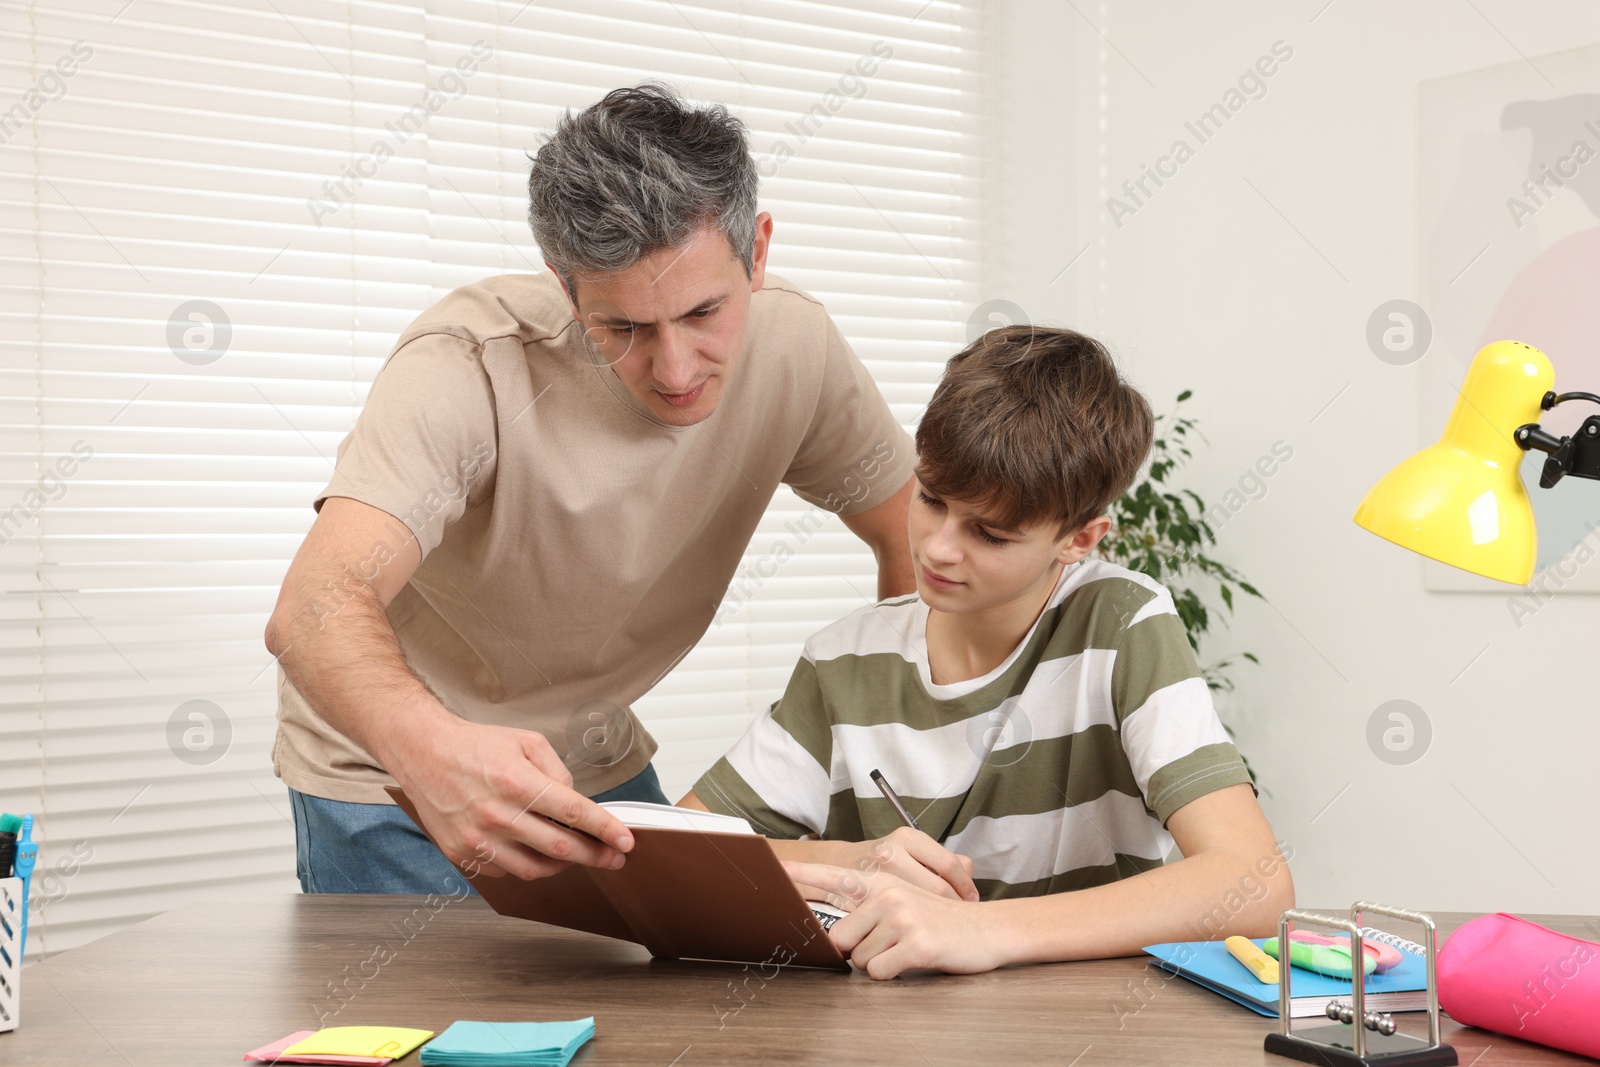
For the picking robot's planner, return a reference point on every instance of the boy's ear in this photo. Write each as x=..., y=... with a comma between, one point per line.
x=1083, y=540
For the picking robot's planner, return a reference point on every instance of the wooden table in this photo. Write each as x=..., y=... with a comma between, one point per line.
x=204, y=983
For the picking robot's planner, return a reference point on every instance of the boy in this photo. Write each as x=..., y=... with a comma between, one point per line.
x=1039, y=712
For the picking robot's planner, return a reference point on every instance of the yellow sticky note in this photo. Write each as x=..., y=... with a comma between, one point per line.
x=390, y=1042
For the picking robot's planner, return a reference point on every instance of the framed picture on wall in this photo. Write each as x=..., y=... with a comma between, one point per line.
x=1509, y=205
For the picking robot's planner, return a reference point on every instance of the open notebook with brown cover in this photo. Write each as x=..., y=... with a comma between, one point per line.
x=682, y=894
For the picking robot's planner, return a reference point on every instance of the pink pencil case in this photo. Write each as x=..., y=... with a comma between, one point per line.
x=1505, y=974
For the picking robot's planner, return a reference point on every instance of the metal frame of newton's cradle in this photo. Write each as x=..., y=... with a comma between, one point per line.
x=1348, y=1044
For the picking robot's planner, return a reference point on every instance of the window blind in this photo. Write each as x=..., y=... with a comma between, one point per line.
x=219, y=216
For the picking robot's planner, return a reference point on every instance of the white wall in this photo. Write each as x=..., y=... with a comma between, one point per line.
x=1228, y=281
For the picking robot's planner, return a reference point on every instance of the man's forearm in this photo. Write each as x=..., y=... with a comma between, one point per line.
x=883, y=528
x=1201, y=898
x=895, y=574
x=349, y=667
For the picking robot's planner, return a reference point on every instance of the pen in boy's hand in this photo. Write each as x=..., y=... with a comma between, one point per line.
x=889, y=794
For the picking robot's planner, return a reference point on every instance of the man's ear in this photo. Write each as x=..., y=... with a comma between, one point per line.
x=1083, y=540
x=758, y=253
x=572, y=301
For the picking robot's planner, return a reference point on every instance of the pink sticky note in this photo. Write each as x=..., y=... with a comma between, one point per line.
x=273, y=1053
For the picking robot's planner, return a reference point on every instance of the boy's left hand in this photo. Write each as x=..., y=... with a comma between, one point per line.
x=894, y=926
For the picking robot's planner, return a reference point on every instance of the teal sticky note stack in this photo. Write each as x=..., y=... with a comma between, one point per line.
x=475, y=1044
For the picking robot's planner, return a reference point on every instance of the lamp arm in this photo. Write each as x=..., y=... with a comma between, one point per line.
x=1551, y=399
x=1578, y=455
x=1534, y=438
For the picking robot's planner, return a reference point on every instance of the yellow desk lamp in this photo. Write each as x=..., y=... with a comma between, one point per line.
x=1462, y=501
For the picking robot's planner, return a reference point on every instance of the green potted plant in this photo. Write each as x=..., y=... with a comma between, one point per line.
x=1161, y=531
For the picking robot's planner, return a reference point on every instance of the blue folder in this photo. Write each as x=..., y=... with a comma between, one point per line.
x=1208, y=963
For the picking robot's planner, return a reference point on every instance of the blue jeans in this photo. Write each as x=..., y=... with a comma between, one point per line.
x=375, y=848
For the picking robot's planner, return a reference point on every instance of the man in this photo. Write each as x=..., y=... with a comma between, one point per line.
x=541, y=504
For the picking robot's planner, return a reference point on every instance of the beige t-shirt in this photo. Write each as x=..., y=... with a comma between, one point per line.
x=574, y=546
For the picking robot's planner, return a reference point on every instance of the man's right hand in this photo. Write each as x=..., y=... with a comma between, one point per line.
x=487, y=794
x=491, y=798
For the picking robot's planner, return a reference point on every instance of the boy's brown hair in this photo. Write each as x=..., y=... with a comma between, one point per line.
x=1033, y=425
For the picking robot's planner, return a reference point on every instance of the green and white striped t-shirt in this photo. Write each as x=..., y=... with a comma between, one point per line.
x=1055, y=771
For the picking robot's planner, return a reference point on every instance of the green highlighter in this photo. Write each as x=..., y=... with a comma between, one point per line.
x=1331, y=960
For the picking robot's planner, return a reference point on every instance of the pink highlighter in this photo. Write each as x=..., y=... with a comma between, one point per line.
x=1385, y=957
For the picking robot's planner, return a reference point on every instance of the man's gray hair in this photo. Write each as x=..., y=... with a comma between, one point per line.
x=639, y=171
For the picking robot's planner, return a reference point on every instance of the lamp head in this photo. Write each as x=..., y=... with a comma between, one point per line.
x=1462, y=501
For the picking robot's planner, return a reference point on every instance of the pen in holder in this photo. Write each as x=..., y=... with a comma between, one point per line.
x=1359, y=1037
x=18, y=853
x=13, y=909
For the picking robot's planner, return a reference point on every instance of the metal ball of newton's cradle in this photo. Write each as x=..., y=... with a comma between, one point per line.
x=1381, y=1022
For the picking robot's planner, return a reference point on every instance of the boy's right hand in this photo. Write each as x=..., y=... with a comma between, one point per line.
x=914, y=857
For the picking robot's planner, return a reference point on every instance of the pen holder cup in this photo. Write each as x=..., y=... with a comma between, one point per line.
x=13, y=908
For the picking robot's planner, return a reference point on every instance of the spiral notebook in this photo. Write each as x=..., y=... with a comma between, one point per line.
x=1208, y=963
